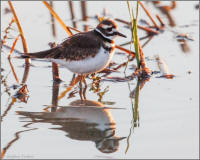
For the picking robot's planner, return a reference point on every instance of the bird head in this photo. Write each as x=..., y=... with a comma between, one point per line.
x=108, y=29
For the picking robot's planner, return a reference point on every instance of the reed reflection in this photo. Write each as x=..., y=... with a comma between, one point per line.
x=134, y=94
x=166, y=10
x=83, y=120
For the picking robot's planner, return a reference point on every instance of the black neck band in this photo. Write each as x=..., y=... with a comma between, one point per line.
x=104, y=38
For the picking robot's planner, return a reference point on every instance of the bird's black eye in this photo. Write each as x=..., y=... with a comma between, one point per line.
x=109, y=29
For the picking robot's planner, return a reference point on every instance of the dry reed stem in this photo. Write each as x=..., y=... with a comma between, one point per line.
x=6, y=32
x=77, y=79
x=163, y=68
x=74, y=29
x=74, y=82
x=84, y=14
x=55, y=71
x=145, y=70
x=54, y=101
x=115, y=68
x=150, y=38
x=12, y=68
x=126, y=50
x=3, y=152
x=7, y=88
x=160, y=20
x=58, y=18
x=9, y=47
x=13, y=47
x=165, y=10
x=53, y=22
x=84, y=10
x=19, y=27
x=147, y=29
x=13, y=140
x=119, y=66
x=142, y=58
x=72, y=13
x=173, y=5
x=46, y=109
x=25, y=46
x=142, y=38
x=55, y=68
x=122, y=21
x=185, y=47
x=26, y=71
x=55, y=93
x=149, y=15
x=8, y=108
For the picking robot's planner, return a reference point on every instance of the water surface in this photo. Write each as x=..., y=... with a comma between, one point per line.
x=168, y=125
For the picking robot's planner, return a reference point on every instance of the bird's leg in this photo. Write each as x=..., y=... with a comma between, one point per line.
x=80, y=90
x=85, y=88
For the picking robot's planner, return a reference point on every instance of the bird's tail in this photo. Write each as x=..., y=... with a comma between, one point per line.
x=51, y=53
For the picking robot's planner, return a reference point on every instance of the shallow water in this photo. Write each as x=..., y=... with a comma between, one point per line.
x=168, y=108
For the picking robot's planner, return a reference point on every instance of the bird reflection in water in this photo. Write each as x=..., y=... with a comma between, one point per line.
x=83, y=120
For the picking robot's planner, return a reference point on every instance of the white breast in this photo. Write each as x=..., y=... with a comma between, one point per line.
x=88, y=65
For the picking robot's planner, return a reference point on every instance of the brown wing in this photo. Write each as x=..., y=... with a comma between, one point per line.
x=80, y=46
x=50, y=53
x=77, y=47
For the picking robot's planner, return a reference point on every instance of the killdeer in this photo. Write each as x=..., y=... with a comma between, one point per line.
x=84, y=53
x=82, y=120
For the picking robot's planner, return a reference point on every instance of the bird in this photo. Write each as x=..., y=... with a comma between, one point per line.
x=83, y=121
x=86, y=52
